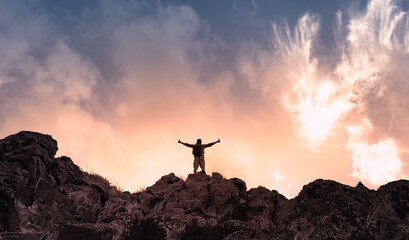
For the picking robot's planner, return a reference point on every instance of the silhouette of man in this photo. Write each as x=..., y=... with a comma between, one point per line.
x=198, y=153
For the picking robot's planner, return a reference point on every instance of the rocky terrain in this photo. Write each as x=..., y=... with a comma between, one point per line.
x=43, y=197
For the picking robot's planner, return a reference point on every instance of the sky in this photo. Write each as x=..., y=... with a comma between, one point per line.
x=295, y=90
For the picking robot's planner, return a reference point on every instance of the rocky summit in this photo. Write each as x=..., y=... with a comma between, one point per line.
x=44, y=197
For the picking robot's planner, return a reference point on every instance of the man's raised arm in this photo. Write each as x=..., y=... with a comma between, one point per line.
x=211, y=144
x=186, y=144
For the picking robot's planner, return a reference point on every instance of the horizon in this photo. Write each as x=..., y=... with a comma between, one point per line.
x=295, y=90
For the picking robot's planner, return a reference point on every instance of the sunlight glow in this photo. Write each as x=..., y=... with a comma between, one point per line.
x=277, y=176
x=376, y=163
x=319, y=110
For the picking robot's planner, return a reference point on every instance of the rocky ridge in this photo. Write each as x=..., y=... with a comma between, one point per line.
x=44, y=197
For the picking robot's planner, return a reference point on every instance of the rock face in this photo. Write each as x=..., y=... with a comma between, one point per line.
x=43, y=197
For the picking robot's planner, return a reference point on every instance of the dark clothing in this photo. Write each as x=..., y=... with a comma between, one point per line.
x=202, y=145
x=199, y=155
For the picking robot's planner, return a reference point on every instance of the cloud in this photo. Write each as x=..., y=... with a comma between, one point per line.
x=374, y=39
x=315, y=99
x=125, y=124
x=364, y=80
x=375, y=163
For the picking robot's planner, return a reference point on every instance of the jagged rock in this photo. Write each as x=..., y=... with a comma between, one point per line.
x=165, y=186
x=63, y=170
x=13, y=185
x=390, y=218
x=147, y=201
x=43, y=197
x=326, y=208
x=227, y=198
x=43, y=194
x=179, y=210
x=22, y=236
x=123, y=217
x=98, y=231
x=262, y=207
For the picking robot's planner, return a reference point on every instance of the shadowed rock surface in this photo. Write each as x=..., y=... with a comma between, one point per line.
x=43, y=197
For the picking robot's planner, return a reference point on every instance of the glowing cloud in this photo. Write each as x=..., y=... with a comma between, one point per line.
x=316, y=103
x=373, y=39
x=367, y=45
x=376, y=163
x=318, y=110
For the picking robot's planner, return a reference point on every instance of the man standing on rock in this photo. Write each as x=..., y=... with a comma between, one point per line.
x=198, y=153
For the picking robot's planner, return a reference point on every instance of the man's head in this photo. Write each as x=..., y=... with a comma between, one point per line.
x=199, y=141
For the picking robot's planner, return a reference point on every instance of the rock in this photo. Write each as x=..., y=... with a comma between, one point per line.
x=63, y=170
x=147, y=201
x=43, y=197
x=165, y=186
x=227, y=198
x=262, y=207
x=390, y=218
x=81, y=231
x=123, y=217
x=13, y=186
x=326, y=208
x=21, y=236
x=52, y=196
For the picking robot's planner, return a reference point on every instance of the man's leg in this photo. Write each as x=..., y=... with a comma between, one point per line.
x=195, y=164
x=202, y=163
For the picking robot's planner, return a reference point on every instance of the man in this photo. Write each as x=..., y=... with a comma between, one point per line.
x=198, y=153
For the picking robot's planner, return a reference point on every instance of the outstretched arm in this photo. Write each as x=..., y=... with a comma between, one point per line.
x=211, y=144
x=186, y=144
